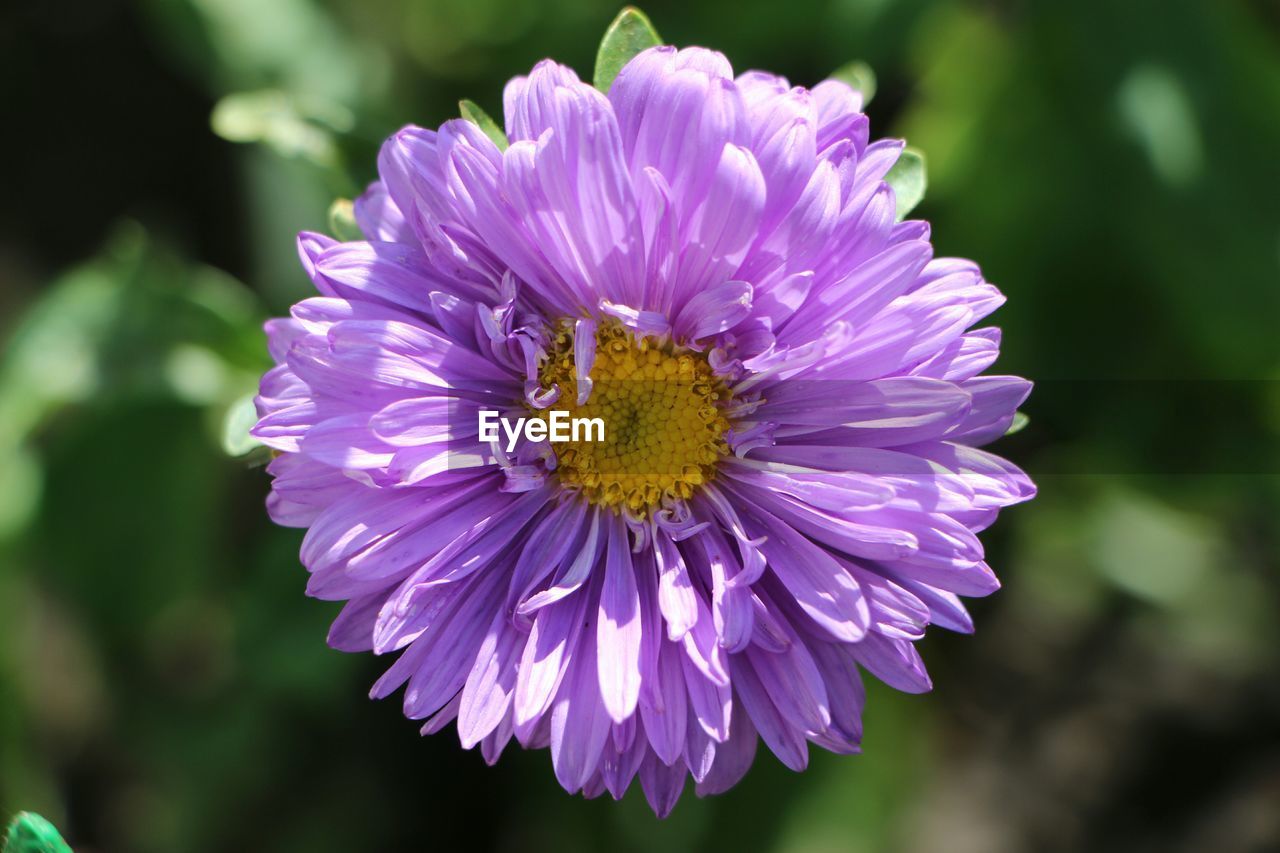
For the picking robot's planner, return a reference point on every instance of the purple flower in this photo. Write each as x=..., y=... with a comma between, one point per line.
x=788, y=490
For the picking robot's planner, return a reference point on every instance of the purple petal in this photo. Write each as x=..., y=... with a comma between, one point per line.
x=733, y=757
x=895, y=662
x=663, y=707
x=786, y=742
x=715, y=241
x=676, y=596
x=710, y=703
x=579, y=722
x=352, y=630
x=619, y=629
x=545, y=658
x=486, y=695
x=379, y=218
x=662, y=784
x=713, y=311
x=824, y=589
x=995, y=400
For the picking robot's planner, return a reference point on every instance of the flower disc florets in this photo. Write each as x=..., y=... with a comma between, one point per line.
x=661, y=406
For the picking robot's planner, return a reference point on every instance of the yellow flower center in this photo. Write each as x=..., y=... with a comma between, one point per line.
x=661, y=409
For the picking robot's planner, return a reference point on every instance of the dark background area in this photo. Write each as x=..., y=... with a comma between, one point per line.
x=164, y=684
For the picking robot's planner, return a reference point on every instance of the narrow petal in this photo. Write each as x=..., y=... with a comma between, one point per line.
x=786, y=742
x=486, y=695
x=619, y=629
x=733, y=757
x=546, y=654
x=663, y=708
x=579, y=722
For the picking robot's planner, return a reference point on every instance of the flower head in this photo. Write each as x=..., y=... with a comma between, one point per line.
x=788, y=490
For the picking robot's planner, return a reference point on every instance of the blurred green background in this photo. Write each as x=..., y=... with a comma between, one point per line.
x=164, y=683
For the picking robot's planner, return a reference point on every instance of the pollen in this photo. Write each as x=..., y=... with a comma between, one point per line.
x=662, y=408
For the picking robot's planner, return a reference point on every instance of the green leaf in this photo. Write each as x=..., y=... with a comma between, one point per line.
x=30, y=833
x=629, y=34
x=23, y=480
x=135, y=322
x=240, y=418
x=342, y=220
x=907, y=177
x=292, y=125
x=1019, y=423
x=859, y=76
x=471, y=111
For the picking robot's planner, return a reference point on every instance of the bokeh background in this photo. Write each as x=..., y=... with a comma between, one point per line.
x=164, y=683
